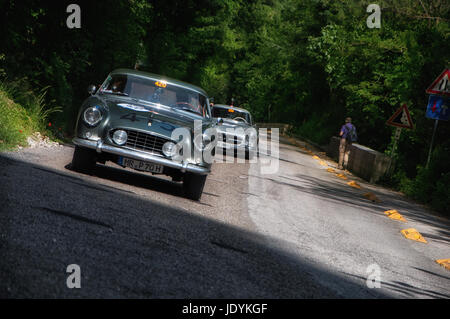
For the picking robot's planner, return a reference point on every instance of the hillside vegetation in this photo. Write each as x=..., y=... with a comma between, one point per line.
x=14, y=123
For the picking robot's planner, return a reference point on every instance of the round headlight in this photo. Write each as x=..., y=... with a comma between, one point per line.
x=92, y=115
x=169, y=149
x=120, y=137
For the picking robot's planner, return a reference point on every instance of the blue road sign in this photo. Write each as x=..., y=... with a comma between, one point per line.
x=438, y=108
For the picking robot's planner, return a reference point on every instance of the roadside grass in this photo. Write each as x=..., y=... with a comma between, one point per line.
x=22, y=112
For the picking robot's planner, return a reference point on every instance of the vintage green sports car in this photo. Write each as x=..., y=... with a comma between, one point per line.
x=131, y=120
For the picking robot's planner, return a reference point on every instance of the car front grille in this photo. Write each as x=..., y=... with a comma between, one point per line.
x=144, y=142
x=231, y=139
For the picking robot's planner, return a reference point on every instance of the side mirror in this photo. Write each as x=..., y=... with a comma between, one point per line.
x=91, y=89
x=219, y=121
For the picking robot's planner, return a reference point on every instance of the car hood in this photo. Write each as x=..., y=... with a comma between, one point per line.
x=159, y=119
x=230, y=124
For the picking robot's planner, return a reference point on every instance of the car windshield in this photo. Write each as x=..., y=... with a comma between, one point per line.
x=230, y=113
x=154, y=91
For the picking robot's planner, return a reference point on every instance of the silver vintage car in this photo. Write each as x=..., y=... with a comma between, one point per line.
x=130, y=120
x=238, y=132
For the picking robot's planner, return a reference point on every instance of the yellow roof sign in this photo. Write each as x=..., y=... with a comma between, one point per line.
x=161, y=84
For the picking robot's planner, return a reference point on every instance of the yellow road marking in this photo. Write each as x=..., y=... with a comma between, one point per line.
x=354, y=184
x=444, y=263
x=331, y=170
x=394, y=214
x=341, y=176
x=316, y=157
x=372, y=197
x=323, y=163
x=413, y=234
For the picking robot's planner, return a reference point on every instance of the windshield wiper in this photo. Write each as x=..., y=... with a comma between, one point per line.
x=116, y=93
x=188, y=109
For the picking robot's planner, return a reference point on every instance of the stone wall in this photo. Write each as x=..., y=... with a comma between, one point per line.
x=363, y=161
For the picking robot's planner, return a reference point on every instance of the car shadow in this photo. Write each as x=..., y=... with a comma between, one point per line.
x=130, y=246
x=134, y=178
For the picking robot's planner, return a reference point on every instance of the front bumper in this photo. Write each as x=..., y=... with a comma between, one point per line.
x=100, y=147
x=236, y=147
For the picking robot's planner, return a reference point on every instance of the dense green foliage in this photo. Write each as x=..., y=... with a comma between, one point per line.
x=13, y=120
x=22, y=113
x=309, y=63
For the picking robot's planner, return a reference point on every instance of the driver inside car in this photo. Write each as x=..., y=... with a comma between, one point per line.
x=156, y=96
x=184, y=100
x=117, y=86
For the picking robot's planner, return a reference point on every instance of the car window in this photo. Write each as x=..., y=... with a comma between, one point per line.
x=158, y=92
x=230, y=114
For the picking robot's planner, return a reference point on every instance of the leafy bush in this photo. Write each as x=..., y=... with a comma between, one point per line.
x=315, y=129
x=440, y=198
x=14, y=123
x=22, y=112
x=35, y=104
x=431, y=185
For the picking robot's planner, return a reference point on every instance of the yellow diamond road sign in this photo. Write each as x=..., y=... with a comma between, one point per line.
x=413, y=234
x=444, y=263
x=394, y=214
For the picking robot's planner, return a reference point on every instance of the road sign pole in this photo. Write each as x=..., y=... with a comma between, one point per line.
x=432, y=141
x=398, y=131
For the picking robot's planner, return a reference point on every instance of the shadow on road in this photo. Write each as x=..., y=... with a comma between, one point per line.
x=410, y=291
x=338, y=192
x=128, y=246
x=141, y=180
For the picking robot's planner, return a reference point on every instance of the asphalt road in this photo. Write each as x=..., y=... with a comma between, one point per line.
x=298, y=233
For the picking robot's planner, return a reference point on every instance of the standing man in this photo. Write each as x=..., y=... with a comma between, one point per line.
x=348, y=136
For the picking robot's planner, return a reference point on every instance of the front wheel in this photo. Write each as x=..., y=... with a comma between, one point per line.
x=84, y=159
x=193, y=185
x=250, y=154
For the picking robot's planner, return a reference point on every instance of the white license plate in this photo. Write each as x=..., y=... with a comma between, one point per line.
x=141, y=165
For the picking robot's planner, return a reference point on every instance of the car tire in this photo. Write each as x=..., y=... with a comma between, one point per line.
x=257, y=148
x=84, y=159
x=193, y=185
